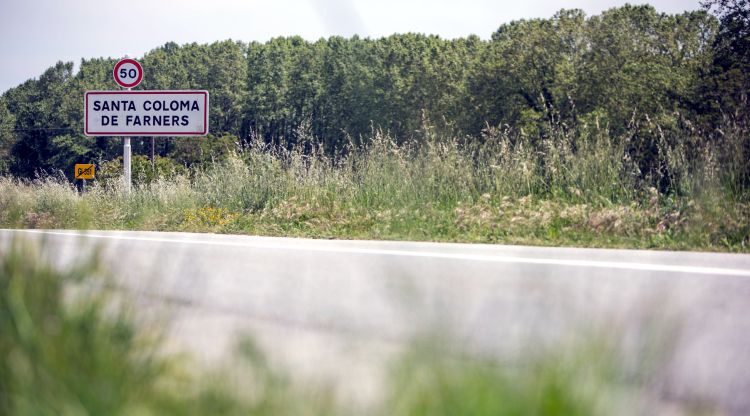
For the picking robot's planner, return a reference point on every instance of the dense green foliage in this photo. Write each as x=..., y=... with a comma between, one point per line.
x=627, y=129
x=625, y=68
x=728, y=79
x=580, y=191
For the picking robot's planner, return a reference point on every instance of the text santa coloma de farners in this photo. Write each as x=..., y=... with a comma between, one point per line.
x=162, y=112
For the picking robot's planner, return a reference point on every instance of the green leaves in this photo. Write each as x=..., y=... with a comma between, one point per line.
x=625, y=67
x=7, y=124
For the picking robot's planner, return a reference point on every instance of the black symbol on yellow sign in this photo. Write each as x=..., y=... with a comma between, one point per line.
x=84, y=171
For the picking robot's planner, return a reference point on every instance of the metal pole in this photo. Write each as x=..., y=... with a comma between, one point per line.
x=153, y=166
x=126, y=161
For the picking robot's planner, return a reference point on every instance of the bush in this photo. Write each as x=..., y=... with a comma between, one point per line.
x=142, y=172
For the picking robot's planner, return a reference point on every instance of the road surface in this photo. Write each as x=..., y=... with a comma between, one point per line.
x=339, y=310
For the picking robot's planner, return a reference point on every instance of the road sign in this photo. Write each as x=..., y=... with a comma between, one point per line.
x=128, y=73
x=84, y=171
x=146, y=113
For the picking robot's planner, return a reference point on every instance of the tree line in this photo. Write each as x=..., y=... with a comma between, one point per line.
x=617, y=70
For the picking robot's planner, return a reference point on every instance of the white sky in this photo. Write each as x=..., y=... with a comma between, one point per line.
x=37, y=33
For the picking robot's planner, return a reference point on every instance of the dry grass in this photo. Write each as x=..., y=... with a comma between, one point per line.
x=571, y=188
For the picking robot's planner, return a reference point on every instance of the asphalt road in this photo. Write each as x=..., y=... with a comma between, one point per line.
x=340, y=310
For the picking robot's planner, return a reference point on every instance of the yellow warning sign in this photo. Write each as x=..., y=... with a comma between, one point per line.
x=84, y=171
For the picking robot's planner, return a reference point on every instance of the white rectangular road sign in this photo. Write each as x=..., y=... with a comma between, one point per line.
x=146, y=113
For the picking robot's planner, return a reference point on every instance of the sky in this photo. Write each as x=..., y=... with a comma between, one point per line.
x=37, y=33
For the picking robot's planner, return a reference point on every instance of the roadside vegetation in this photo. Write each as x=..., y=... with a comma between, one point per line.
x=624, y=129
x=576, y=188
x=72, y=343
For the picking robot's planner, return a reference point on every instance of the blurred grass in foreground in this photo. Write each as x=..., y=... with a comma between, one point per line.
x=66, y=350
x=67, y=347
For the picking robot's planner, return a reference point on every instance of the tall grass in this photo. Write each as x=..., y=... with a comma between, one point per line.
x=563, y=186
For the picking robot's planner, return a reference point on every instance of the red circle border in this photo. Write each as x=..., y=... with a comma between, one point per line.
x=128, y=61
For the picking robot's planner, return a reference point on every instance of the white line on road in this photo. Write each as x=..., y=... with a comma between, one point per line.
x=424, y=254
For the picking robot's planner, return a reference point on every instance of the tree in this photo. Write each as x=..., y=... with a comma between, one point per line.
x=528, y=72
x=622, y=67
x=642, y=63
x=40, y=115
x=730, y=78
x=7, y=137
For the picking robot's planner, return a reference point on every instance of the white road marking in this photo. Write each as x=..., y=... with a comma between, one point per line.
x=424, y=254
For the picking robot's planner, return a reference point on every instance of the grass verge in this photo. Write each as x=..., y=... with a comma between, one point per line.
x=504, y=189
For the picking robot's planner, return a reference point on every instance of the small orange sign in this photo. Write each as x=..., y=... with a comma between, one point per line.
x=84, y=171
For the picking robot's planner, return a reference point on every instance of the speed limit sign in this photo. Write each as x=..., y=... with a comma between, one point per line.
x=128, y=73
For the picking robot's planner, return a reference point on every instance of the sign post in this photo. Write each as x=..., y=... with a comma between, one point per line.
x=126, y=152
x=128, y=73
x=143, y=113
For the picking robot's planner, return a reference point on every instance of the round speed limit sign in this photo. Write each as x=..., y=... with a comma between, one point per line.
x=128, y=73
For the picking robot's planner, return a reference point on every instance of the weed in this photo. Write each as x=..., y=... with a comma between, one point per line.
x=575, y=187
